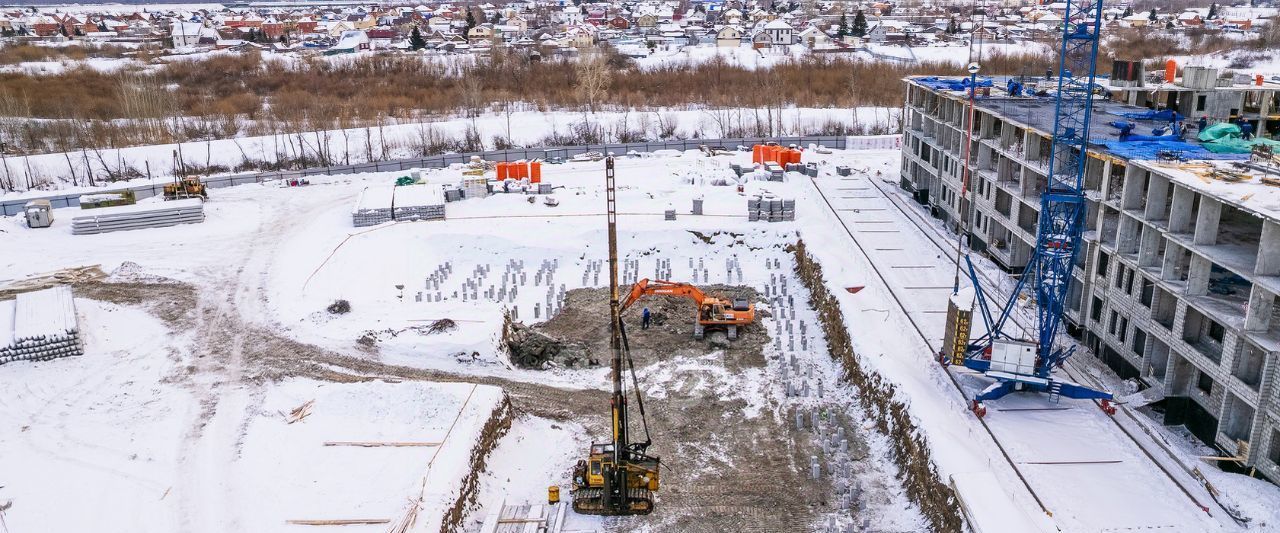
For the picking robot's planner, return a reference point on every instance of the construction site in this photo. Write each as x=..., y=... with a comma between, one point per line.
x=1022, y=315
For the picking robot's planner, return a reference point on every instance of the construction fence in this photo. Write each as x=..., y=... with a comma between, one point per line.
x=156, y=187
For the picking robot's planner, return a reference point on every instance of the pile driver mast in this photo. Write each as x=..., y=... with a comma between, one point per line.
x=1027, y=364
x=618, y=477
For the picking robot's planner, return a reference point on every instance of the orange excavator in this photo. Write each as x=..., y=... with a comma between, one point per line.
x=713, y=312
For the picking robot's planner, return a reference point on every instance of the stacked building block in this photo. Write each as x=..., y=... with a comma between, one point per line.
x=373, y=206
x=770, y=208
x=418, y=202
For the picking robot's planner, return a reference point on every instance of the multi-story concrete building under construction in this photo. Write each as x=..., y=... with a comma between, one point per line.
x=1177, y=284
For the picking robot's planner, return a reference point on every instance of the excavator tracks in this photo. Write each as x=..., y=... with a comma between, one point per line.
x=591, y=501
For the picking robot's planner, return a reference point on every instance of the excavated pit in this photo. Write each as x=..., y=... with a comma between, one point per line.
x=579, y=333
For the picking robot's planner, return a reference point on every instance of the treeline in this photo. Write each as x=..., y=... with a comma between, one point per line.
x=229, y=95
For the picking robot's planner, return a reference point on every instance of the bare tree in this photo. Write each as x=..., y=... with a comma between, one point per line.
x=593, y=79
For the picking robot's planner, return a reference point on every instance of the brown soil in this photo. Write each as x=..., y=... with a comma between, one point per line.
x=585, y=319
x=722, y=472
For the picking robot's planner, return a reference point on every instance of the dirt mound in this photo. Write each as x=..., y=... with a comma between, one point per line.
x=585, y=320
x=529, y=348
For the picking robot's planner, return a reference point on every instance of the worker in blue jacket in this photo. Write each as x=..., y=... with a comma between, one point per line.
x=645, y=318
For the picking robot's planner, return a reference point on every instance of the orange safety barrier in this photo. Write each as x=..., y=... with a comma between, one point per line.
x=757, y=154
x=535, y=172
x=501, y=169
x=1170, y=70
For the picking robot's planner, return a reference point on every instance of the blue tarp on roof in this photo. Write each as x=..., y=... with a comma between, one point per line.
x=1146, y=150
x=950, y=84
x=1166, y=115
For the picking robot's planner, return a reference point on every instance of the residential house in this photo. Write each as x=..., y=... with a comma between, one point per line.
x=481, y=32
x=780, y=33
x=814, y=37
x=350, y=42
x=729, y=36
x=185, y=34
x=761, y=40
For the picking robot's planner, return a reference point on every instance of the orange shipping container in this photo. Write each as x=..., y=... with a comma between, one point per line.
x=535, y=172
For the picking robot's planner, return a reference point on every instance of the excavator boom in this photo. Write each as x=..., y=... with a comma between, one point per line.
x=712, y=311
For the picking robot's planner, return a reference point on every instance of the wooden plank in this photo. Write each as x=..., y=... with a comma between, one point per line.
x=341, y=522
x=370, y=444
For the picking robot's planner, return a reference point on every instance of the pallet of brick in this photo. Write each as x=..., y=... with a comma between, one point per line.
x=139, y=216
x=418, y=202
x=475, y=187
x=373, y=206
x=41, y=325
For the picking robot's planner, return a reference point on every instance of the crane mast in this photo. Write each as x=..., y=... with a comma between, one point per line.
x=1027, y=364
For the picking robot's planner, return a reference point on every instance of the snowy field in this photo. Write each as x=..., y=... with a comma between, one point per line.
x=397, y=141
x=166, y=425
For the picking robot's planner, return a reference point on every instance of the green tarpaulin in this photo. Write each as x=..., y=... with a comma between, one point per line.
x=1238, y=146
x=1218, y=131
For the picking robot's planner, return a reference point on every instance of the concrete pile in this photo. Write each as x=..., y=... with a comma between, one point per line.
x=39, y=326
x=140, y=216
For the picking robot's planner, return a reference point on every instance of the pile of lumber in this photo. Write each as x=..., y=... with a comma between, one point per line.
x=39, y=326
x=139, y=216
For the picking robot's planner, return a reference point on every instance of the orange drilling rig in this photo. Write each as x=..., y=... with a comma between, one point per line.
x=713, y=312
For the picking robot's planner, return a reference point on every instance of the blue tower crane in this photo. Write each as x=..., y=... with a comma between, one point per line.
x=1016, y=363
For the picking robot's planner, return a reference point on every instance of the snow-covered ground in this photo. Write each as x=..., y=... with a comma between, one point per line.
x=119, y=419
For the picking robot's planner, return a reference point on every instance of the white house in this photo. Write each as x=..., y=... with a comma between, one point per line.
x=781, y=33
x=185, y=34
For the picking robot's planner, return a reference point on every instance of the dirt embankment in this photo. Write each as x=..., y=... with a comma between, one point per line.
x=878, y=400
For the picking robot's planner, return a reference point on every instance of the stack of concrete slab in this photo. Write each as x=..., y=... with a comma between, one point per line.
x=770, y=208
x=418, y=202
x=373, y=206
x=39, y=326
x=544, y=188
x=139, y=216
